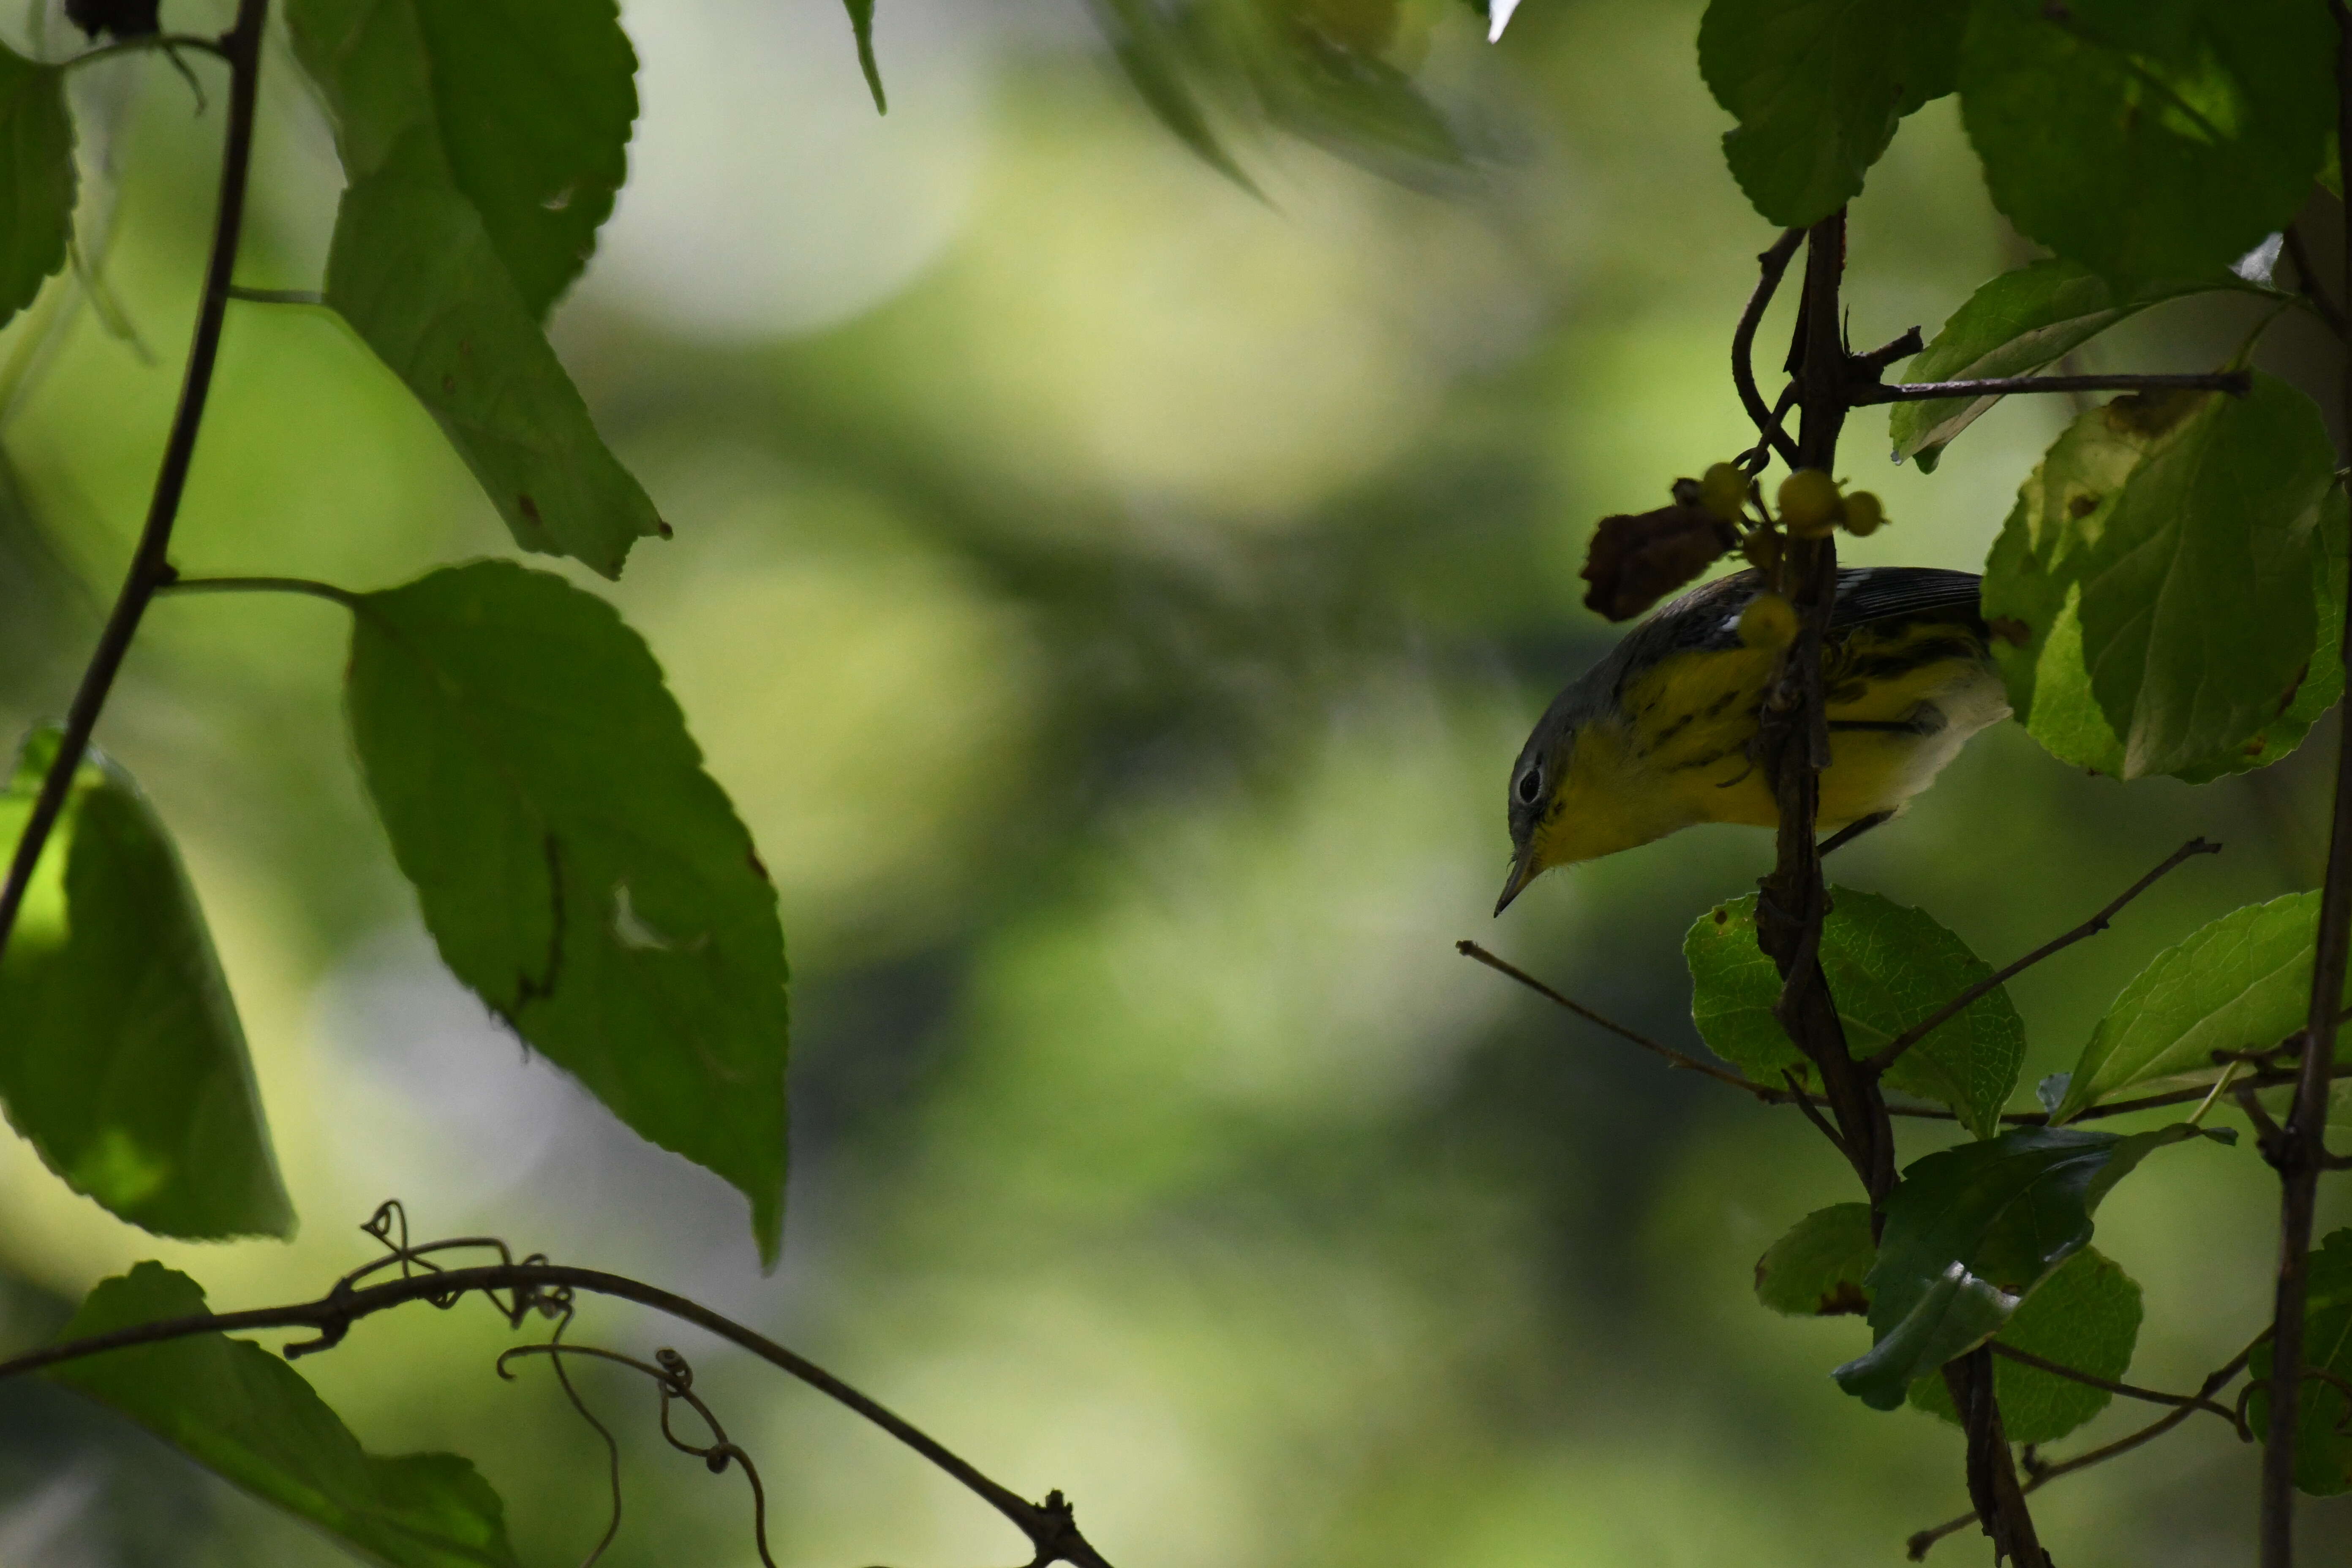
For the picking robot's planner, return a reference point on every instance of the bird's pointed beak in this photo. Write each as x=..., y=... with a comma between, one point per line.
x=1524, y=870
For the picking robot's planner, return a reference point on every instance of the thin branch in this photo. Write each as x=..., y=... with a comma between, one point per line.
x=2236, y=383
x=2314, y=292
x=2099, y=923
x=1753, y=460
x=1773, y=262
x=1050, y=1525
x=1812, y=1113
x=149, y=561
x=327, y=591
x=2299, y=1152
x=1991, y=1468
x=1675, y=1058
x=2268, y=1134
x=2130, y=1391
x=1918, y=1545
x=1769, y=1095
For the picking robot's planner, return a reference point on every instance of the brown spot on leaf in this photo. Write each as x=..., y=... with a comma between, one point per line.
x=529, y=507
x=1637, y=559
x=2010, y=630
x=2082, y=506
x=2152, y=413
x=2255, y=746
x=664, y=529
x=1842, y=1300
x=1722, y=915
x=2286, y=699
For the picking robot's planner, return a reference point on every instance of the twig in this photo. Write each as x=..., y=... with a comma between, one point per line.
x=2312, y=289
x=1050, y=1526
x=1773, y=262
x=2130, y=1391
x=1769, y=1095
x=2266, y=1080
x=1805, y=1103
x=1991, y=1471
x=150, y=563
x=1753, y=460
x=1675, y=1058
x=2299, y=1152
x=2236, y=383
x=1903, y=1042
x=327, y=591
x=1919, y=1542
x=2268, y=1133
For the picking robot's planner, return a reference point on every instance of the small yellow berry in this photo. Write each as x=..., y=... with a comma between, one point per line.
x=1864, y=514
x=1724, y=490
x=1809, y=503
x=1769, y=621
x=1763, y=549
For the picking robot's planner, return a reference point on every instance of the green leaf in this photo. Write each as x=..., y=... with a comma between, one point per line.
x=1817, y=86
x=861, y=25
x=1969, y=1232
x=2323, y=1451
x=2242, y=980
x=2323, y=677
x=414, y=272
x=1889, y=967
x=120, y=1058
x=484, y=143
x=2085, y=1316
x=2149, y=139
x=2015, y=325
x=1149, y=50
x=520, y=107
x=36, y=181
x=2151, y=593
x=574, y=863
x=1369, y=112
x=245, y=1415
x=1816, y=1269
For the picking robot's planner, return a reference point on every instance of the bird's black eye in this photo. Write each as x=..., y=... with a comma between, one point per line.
x=1532, y=785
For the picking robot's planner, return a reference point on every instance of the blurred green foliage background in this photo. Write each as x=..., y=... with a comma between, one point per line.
x=1114, y=603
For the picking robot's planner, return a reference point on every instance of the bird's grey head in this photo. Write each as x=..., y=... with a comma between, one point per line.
x=1535, y=782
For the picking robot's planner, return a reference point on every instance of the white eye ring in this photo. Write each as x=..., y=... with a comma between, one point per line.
x=1531, y=784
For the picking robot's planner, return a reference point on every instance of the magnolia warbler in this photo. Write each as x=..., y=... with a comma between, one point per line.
x=1658, y=736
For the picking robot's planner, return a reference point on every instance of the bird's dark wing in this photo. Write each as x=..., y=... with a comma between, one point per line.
x=1707, y=618
x=1874, y=593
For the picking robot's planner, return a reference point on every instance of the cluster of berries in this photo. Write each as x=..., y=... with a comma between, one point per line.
x=1811, y=505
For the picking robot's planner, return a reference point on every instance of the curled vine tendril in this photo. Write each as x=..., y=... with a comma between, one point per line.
x=674, y=1379
x=2310, y=1374
x=389, y=1225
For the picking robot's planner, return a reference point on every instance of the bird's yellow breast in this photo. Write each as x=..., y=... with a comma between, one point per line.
x=1904, y=696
